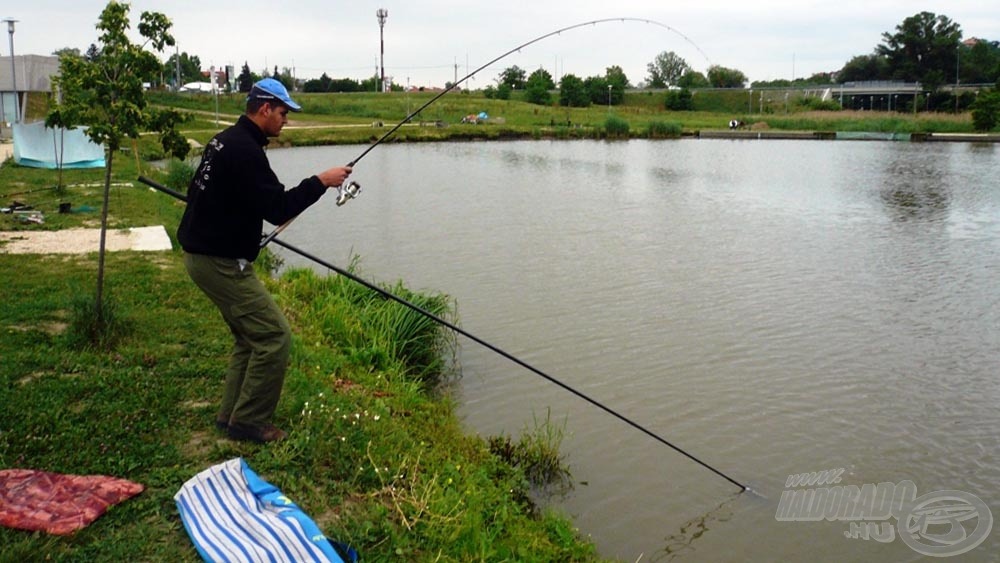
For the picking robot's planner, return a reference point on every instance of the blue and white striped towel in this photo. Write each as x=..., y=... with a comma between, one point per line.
x=231, y=514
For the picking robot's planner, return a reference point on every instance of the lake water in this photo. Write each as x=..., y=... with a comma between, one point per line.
x=771, y=307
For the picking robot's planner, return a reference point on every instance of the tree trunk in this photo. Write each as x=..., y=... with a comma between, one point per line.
x=109, y=155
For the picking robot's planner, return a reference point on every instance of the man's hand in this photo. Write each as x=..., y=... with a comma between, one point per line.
x=335, y=176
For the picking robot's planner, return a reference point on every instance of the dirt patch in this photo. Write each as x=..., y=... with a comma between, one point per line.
x=83, y=241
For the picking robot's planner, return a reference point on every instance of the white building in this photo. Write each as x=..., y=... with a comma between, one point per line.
x=32, y=75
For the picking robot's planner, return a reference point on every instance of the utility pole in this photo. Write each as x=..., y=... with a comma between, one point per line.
x=13, y=72
x=382, y=14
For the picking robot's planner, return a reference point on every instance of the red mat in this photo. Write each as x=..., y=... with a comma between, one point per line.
x=57, y=503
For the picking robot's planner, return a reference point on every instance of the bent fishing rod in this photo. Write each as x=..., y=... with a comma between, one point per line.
x=351, y=190
x=476, y=339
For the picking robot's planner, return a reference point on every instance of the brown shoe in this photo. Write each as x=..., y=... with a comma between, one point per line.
x=259, y=434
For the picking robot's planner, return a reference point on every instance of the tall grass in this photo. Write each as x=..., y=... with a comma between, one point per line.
x=615, y=127
x=383, y=332
x=663, y=130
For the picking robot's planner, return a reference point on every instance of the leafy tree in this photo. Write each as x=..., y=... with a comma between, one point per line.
x=986, y=110
x=864, y=68
x=538, y=86
x=246, y=79
x=693, y=79
x=513, y=76
x=572, y=92
x=615, y=77
x=503, y=91
x=666, y=69
x=722, y=77
x=106, y=95
x=542, y=78
x=597, y=90
x=190, y=68
x=979, y=63
x=922, y=49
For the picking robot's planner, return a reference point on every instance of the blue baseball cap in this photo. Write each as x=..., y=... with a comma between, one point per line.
x=271, y=89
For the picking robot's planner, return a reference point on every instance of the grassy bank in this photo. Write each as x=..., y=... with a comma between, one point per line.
x=364, y=117
x=376, y=454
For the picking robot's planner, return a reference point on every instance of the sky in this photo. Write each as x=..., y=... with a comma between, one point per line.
x=432, y=42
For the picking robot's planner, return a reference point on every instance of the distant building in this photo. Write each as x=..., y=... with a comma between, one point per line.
x=33, y=77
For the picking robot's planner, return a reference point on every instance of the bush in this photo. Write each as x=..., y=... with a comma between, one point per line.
x=815, y=103
x=679, y=100
x=986, y=111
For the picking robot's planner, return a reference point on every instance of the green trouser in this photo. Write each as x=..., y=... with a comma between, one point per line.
x=262, y=336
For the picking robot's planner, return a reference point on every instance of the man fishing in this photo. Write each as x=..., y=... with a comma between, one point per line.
x=231, y=194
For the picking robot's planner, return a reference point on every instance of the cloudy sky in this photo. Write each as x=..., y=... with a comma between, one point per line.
x=430, y=42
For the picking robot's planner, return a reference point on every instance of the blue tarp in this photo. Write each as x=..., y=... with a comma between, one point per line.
x=41, y=147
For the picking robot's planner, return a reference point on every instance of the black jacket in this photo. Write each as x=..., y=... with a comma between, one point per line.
x=233, y=191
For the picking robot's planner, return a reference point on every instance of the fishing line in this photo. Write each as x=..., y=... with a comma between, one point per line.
x=355, y=187
x=477, y=340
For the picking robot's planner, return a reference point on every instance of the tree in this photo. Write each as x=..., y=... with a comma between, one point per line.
x=722, y=77
x=865, y=68
x=190, y=68
x=572, y=92
x=514, y=77
x=597, y=90
x=980, y=63
x=106, y=95
x=923, y=49
x=666, y=69
x=538, y=86
x=246, y=79
x=615, y=77
x=693, y=79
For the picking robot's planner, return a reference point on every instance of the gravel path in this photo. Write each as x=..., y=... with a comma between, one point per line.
x=82, y=241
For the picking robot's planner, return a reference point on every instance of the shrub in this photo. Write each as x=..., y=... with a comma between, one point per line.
x=679, y=100
x=986, y=111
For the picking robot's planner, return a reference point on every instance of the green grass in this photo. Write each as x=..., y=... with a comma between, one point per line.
x=376, y=454
x=355, y=117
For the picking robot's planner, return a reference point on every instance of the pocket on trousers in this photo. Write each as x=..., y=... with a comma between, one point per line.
x=251, y=306
x=258, y=318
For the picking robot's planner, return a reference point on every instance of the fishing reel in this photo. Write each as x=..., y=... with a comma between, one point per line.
x=350, y=191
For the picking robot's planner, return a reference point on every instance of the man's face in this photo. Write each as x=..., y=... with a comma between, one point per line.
x=275, y=117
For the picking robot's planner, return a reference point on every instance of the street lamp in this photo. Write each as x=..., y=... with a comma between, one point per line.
x=382, y=14
x=958, y=54
x=13, y=72
x=609, y=98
